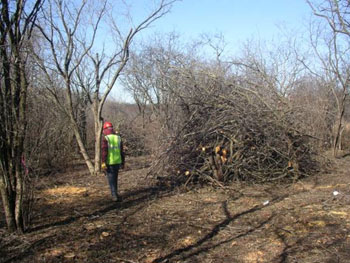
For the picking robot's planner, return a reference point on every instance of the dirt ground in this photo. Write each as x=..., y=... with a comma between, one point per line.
x=76, y=221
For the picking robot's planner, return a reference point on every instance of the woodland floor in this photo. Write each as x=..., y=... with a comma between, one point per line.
x=75, y=221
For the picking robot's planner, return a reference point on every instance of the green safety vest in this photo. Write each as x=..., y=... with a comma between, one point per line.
x=114, y=155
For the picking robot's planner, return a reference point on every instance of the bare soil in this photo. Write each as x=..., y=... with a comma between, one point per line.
x=75, y=220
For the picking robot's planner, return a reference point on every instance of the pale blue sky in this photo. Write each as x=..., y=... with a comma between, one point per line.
x=234, y=17
x=237, y=20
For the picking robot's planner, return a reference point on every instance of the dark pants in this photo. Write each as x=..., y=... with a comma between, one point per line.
x=112, y=176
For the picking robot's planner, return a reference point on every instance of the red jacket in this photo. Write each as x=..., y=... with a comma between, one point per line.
x=104, y=151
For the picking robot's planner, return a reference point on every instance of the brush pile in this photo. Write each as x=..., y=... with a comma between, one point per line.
x=230, y=132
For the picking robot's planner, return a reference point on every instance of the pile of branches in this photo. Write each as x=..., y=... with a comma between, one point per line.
x=231, y=132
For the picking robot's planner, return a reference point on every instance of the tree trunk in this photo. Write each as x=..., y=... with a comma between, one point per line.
x=338, y=128
x=98, y=136
x=336, y=139
x=19, y=203
x=6, y=197
x=83, y=125
x=82, y=148
x=98, y=121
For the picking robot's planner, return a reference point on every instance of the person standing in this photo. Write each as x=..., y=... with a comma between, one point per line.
x=113, y=158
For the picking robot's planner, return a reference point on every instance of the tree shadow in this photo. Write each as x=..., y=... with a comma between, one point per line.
x=335, y=250
x=200, y=247
x=142, y=194
x=344, y=155
x=26, y=251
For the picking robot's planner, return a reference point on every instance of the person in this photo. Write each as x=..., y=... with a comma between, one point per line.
x=113, y=158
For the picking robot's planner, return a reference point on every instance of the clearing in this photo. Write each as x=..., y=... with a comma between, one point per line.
x=74, y=220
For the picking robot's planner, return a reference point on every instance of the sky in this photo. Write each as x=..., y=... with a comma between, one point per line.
x=236, y=20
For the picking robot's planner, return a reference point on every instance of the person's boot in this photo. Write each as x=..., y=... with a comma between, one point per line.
x=117, y=198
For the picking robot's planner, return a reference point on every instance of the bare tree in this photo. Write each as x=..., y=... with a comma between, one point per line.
x=17, y=19
x=147, y=75
x=331, y=46
x=74, y=58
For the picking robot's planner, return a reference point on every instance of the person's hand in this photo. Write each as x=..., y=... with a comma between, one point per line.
x=103, y=167
x=122, y=166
